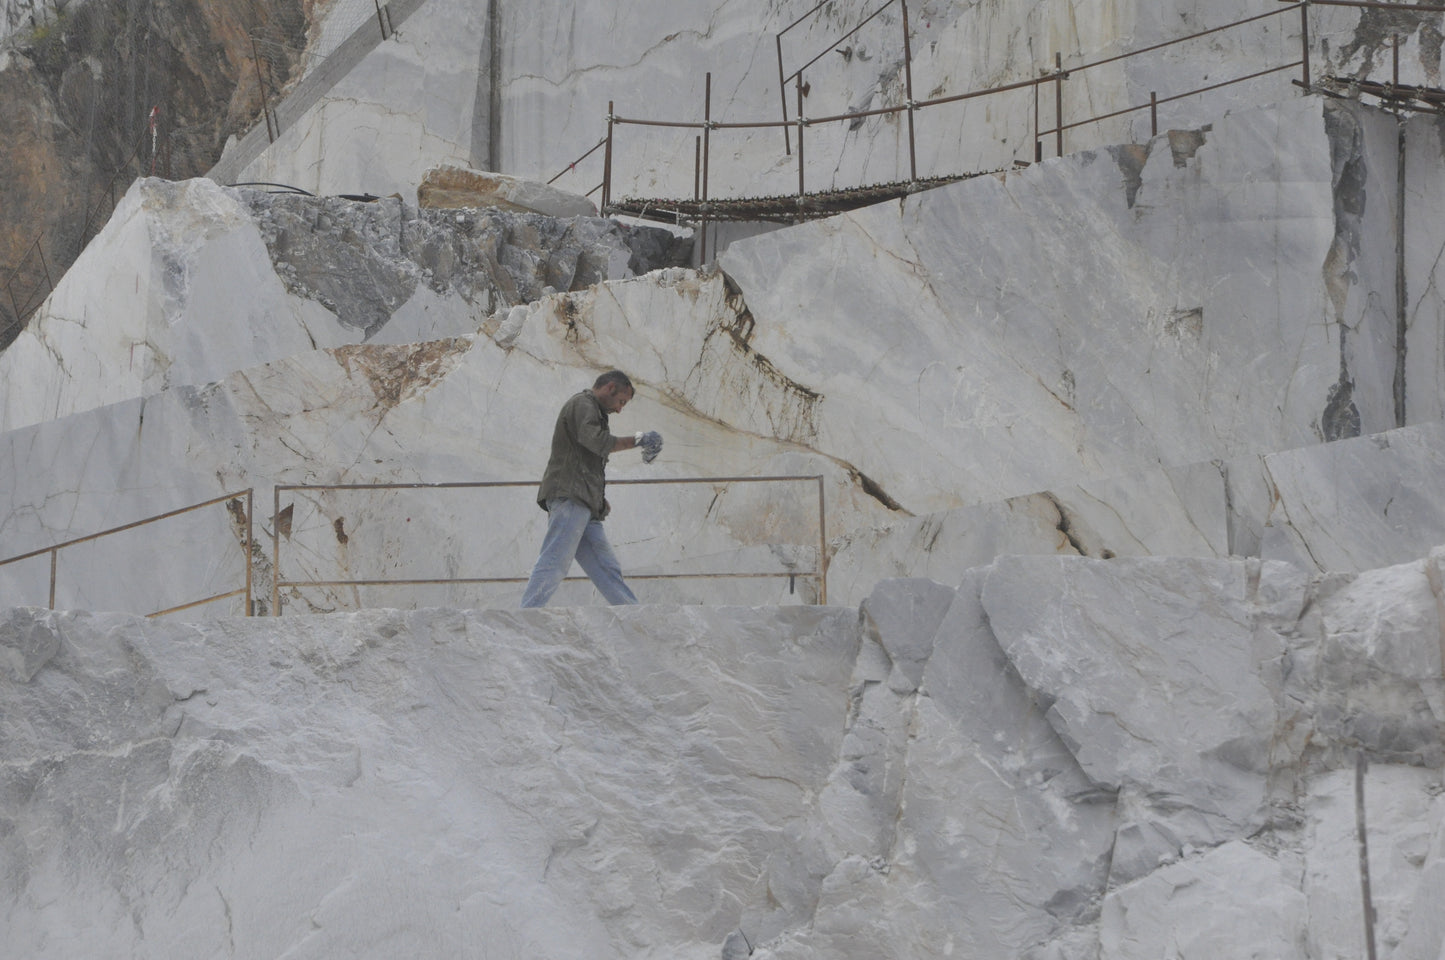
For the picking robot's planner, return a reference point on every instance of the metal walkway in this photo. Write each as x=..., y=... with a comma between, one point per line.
x=788, y=209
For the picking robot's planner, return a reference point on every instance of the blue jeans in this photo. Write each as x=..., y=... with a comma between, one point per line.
x=573, y=534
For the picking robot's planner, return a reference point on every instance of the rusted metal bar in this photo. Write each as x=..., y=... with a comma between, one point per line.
x=484, y=484
x=1402, y=323
x=1059, y=102
x=696, y=167
x=876, y=111
x=692, y=124
x=820, y=572
x=1178, y=96
x=261, y=84
x=801, y=124
x=783, y=93
x=706, y=157
x=122, y=528
x=822, y=547
x=1364, y=849
x=607, y=161
x=250, y=549
x=196, y=603
x=1379, y=5
x=1193, y=36
x=1304, y=33
x=441, y=581
x=1034, y=82
x=706, y=130
x=1038, y=144
x=845, y=36
x=908, y=83
x=573, y=164
x=1153, y=114
x=276, y=551
x=805, y=16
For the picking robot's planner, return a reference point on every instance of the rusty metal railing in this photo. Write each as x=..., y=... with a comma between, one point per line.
x=228, y=498
x=1051, y=82
x=818, y=574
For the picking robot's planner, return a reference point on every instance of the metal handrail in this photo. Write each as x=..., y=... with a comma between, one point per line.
x=1056, y=78
x=54, y=550
x=819, y=573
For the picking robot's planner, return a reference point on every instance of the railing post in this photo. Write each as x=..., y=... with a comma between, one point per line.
x=706, y=157
x=908, y=82
x=696, y=168
x=250, y=550
x=261, y=85
x=801, y=124
x=607, y=163
x=822, y=548
x=1304, y=15
x=1038, y=142
x=1059, y=102
x=276, y=550
x=1363, y=843
x=783, y=94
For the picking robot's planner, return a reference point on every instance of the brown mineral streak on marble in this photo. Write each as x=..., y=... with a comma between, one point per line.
x=399, y=373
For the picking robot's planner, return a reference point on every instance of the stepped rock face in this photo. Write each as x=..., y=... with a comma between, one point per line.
x=190, y=281
x=1107, y=314
x=1062, y=757
x=1133, y=404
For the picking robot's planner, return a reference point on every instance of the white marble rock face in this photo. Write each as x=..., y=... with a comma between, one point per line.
x=189, y=282
x=940, y=773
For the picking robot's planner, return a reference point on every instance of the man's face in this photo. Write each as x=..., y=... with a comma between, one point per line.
x=613, y=397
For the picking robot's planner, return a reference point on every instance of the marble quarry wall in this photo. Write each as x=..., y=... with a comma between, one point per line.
x=967, y=376
x=1059, y=758
x=525, y=87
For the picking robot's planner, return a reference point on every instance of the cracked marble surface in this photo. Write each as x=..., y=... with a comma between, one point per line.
x=939, y=770
x=189, y=282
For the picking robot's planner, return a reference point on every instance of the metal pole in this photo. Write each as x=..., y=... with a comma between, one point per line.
x=706, y=131
x=1304, y=16
x=1153, y=114
x=908, y=81
x=1038, y=144
x=1402, y=326
x=783, y=93
x=822, y=547
x=1059, y=101
x=261, y=84
x=801, y=123
x=54, y=553
x=607, y=163
x=250, y=539
x=1364, y=846
x=380, y=22
x=276, y=552
x=696, y=166
x=706, y=155
x=1395, y=51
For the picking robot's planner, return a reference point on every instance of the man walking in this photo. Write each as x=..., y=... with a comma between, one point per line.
x=573, y=488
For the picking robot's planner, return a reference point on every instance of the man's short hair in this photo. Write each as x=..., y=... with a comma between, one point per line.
x=614, y=376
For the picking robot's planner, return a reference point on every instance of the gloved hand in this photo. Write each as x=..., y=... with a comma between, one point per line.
x=650, y=443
